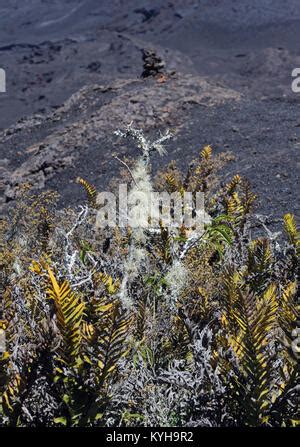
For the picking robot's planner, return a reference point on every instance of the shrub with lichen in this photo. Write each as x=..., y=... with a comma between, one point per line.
x=128, y=326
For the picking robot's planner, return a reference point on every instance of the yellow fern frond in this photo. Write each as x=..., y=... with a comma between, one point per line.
x=110, y=284
x=4, y=373
x=292, y=231
x=88, y=331
x=90, y=190
x=289, y=315
x=11, y=393
x=69, y=312
x=231, y=285
x=239, y=201
x=231, y=186
x=234, y=205
x=206, y=153
x=172, y=183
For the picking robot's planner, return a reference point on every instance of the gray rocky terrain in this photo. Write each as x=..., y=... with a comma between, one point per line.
x=74, y=76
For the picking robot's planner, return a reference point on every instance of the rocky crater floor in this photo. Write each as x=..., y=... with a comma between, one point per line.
x=74, y=77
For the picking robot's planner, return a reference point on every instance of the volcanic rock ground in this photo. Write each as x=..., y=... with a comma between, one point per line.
x=73, y=77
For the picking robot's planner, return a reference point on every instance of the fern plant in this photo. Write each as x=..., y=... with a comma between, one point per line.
x=69, y=310
x=131, y=327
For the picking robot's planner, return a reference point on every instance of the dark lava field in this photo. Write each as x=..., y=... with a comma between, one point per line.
x=74, y=68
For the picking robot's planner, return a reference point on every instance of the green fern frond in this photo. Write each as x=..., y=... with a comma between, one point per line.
x=250, y=321
x=259, y=264
x=112, y=328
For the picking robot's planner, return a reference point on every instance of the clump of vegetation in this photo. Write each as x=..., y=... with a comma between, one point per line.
x=134, y=327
